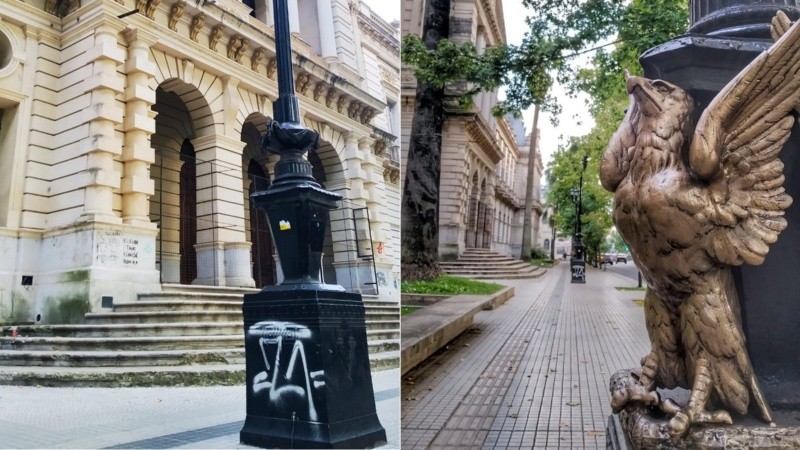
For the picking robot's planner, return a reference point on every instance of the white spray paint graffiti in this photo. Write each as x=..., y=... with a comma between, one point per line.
x=274, y=333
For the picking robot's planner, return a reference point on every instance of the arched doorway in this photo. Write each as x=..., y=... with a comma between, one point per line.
x=188, y=213
x=328, y=257
x=260, y=236
x=471, y=234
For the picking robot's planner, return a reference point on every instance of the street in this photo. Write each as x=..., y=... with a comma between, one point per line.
x=627, y=270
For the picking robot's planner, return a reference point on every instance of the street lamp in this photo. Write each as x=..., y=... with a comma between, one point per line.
x=307, y=362
x=578, y=261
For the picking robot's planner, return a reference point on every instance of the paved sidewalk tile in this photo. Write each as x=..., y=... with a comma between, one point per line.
x=533, y=373
x=180, y=417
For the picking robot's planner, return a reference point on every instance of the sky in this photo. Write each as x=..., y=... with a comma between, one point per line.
x=389, y=10
x=574, y=119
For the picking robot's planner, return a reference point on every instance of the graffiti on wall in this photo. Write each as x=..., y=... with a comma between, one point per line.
x=295, y=380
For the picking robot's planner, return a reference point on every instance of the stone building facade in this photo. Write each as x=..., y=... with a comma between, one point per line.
x=131, y=141
x=484, y=158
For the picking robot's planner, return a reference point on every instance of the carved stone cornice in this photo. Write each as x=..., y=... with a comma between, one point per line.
x=224, y=23
x=479, y=133
x=197, y=24
x=258, y=58
x=494, y=25
x=175, y=14
x=383, y=35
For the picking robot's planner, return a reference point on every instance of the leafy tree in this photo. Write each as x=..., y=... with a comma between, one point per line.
x=558, y=29
x=644, y=24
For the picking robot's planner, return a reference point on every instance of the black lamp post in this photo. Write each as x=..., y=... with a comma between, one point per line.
x=307, y=363
x=578, y=261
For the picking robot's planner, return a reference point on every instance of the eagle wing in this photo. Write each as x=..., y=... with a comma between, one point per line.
x=735, y=150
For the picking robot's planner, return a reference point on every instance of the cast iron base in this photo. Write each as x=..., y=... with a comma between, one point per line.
x=307, y=370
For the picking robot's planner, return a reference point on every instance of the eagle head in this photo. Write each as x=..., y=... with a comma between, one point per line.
x=657, y=97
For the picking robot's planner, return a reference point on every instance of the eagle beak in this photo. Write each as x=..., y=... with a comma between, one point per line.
x=642, y=91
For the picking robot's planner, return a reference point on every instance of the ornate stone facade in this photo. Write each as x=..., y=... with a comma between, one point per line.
x=132, y=140
x=484, y=159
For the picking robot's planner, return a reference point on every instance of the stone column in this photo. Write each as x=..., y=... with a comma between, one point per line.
x=139, y=124
x=376, y=196
x=223, y=253
x=102, y=117
x=294, y=17
x=166, y=204
x=327, y=35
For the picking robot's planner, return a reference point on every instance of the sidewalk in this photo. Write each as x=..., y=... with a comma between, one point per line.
x=180, y=417
x=533, y=373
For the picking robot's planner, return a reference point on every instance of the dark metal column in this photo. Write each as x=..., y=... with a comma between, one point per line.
x=307, y=363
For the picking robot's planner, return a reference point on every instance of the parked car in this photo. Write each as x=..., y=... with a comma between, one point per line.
x=622, y=258
x=608, y=258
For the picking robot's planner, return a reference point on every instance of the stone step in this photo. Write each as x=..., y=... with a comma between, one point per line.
x=207, y=289
x=226, y=306
x=178, y=305
x=513, y=264
x=132, y=329
x=190, y=295
x=131, y=376
x=479, y=258
x=384, y=360
x=137, y=343
x=162, y=317
x=155, y=329
x=393, y=324
x=456, y=270
x=121, y=358
x=501, y=276
x=60, y=344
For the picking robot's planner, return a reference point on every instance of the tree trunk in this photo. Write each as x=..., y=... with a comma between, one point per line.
x=420, y=209
x=526, y=220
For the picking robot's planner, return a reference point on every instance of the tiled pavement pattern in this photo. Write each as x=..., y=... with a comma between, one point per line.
x=531, y=374
x=186, y=417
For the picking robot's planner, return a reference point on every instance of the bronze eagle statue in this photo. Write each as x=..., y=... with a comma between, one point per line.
x=692, y=201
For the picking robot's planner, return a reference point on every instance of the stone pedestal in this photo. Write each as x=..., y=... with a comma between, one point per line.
x=308, y=374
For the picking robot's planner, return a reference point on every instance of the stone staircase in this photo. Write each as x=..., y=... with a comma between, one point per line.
x=185, y=335
x=487, y=265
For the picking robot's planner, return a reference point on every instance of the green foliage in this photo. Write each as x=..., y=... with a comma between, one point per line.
x=644, y=24
x=558, y=30
x=538, y=253
x=542, y=262
x=449, y=285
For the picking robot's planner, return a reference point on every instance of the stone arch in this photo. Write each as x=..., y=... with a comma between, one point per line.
x=10, y=50
x=181, y=114
x=253, y=108
x=331, y=147
x=255, y=176
x=200, y=90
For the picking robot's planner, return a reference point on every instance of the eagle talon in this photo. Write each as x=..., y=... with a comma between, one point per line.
x=678, y=425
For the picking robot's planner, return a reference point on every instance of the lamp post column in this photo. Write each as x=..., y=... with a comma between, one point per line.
x=307, y=369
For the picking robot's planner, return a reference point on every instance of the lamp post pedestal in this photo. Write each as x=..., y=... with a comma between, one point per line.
x=577, y=263
x=308, y=376
x=307, y=363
